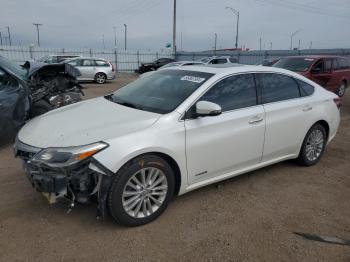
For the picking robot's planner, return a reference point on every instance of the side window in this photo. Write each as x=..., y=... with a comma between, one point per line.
x=218, y=61
x=88, y=62
x=233, y=60
x=318, y=67
x=233, y=92
x=101, y=63
x=305, y=88
x=74, y=62
x=342, y=63
x=6, y=80
x=327, y=65
x=276, y=87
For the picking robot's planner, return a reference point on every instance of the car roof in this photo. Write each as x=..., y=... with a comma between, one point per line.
x=312, y=56
x=233, y=69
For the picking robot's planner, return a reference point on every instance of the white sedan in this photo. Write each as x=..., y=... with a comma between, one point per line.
x=172, y=132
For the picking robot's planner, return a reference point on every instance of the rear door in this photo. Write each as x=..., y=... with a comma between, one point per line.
x=217, y=145
x=288, y=114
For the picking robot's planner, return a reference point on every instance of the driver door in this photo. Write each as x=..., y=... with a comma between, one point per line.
x=321, y=72
x=218, y=145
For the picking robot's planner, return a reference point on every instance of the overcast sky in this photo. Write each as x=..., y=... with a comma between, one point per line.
x=82, y=23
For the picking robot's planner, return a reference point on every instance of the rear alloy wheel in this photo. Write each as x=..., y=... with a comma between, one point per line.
x=341, y=89
x=100, y=78
x=313, y=146
x=141, y=191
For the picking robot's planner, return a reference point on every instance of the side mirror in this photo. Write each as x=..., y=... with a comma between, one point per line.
x=205, y=108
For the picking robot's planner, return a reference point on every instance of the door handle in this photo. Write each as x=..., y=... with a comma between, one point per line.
x=307, y=108
x=255, y=120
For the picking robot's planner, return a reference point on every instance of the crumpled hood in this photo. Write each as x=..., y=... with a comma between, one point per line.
x=83, y=123
x=37, y=68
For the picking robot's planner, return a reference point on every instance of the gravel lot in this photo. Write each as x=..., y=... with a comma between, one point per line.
x=248, y=218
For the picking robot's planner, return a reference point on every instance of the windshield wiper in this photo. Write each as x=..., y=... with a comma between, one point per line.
x=124, y=103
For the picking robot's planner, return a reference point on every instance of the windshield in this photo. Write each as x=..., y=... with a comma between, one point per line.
x=160, y=92
x=205, y=60
x=172, y=64
x=13, y=68
x=294, y=64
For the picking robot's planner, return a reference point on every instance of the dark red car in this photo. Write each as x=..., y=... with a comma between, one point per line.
x=331, y=72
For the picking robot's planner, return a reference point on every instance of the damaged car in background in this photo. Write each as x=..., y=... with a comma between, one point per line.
x=172, y=132
x=31, y=90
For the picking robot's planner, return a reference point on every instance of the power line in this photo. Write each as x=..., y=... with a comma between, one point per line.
x=303, y=7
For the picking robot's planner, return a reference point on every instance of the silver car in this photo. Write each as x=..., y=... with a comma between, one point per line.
x=216, y=60
x=93, y=69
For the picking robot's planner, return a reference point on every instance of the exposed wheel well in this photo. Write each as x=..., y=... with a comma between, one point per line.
x=325, y=125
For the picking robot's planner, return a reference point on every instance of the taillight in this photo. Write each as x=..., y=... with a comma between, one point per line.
x=113, y=67
x=337, y=101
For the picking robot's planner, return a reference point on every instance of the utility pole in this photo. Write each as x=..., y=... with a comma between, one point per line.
x=9, y=35
x=125, y=32
x=260, y=40
x=181, y=42
x=115, y=36
x=270, y=45
x=310, y=44
x=299, y=45
x=0, y=38
x=174, y=29
x=215, y=42
x=103, y=41
x=235, y=12
x=37, y=30
x=291, y=38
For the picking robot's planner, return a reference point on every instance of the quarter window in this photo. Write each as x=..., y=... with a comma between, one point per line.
x=305, y=88
x=101, y=63
x=218, y=61
x=276, y=87
x=233, y=92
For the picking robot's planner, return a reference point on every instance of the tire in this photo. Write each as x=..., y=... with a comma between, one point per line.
x=313, y=146
x=39, y=108
x=341, y=89
x=100, y=78
x=133, y=204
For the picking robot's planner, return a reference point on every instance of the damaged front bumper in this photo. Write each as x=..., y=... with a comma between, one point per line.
x=76, y=183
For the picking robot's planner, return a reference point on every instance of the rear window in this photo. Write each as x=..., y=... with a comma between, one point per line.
x=295, y=64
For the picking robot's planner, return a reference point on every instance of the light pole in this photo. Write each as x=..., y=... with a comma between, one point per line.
x=125, y=32
x=115, y=36
x=0, y=39
x=291, y=38
x=235, y=12
x=9, y=35
x=37, y=30
x=215, y=42
x=174, y=28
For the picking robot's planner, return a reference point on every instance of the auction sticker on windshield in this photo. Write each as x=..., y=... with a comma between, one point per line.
x=194, y=79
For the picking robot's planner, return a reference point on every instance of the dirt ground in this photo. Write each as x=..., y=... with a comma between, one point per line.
x=248, y=218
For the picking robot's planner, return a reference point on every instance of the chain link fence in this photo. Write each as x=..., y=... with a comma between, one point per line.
x=124, y=60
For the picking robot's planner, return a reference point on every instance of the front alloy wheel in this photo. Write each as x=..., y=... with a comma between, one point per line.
x=145, y=192
x=141, y=190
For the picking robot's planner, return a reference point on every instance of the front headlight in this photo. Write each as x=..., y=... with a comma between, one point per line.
x=66, y=156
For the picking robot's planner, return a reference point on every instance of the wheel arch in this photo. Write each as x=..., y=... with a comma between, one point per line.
x=166, y=157
x=325, y=125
